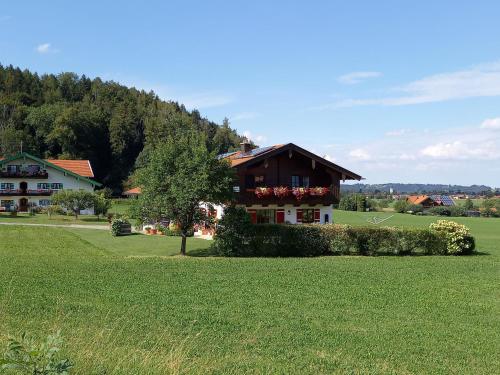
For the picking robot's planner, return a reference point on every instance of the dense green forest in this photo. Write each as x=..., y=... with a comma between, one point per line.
x=75, y=117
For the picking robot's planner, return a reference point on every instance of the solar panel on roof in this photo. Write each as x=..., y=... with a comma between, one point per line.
x=225, y=155
x=254, y=152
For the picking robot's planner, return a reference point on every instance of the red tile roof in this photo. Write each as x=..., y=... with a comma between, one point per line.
x=417, y=199
x=80, y=167
x=239, y=157
x=133, y=191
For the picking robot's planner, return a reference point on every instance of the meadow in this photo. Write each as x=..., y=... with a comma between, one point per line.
x=130, y=305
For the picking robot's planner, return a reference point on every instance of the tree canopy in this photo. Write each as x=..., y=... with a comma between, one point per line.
x=75, y=117
x=180, y=174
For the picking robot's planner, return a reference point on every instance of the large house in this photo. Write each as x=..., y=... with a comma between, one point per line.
x=286, y=184
x=26, y=180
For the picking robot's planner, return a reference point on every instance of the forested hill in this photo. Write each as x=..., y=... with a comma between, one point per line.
x=75, y=117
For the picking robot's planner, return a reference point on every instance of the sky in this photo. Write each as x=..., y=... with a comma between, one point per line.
x=394, y=91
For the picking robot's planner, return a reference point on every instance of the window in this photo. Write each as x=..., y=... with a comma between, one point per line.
x=7, y=203
x=56, y=186
x=305, y=181
x=308, y=215
x=33, y=169
x=6, y=186
x=260, y=180
x=13, y=168
x=43, y=186
x=44, y=202
x=266, y=216
x=300, y=181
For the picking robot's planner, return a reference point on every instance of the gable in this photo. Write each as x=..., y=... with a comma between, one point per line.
x=73, y=168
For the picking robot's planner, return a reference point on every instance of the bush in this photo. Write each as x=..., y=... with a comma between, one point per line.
x=414, y=208
x=454, y=211
x=25, y=356
x=236, y=236
x=116, y=226
x=457, y=236
x=400, y=206
x=348, y=203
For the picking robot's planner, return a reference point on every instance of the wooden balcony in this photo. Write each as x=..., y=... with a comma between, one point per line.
x=27, y=192
x=24, y=174
x=249, y=197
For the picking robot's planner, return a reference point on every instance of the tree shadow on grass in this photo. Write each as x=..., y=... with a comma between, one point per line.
x=208, y=252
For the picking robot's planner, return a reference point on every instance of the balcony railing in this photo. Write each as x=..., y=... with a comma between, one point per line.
x=26, y=192
x=24, y=174
x=282, y=195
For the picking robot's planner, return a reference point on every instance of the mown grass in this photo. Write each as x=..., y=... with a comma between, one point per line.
x=161, y=315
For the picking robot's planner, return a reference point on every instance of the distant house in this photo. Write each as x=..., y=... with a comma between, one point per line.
x=26, y=180
x=132, y=193
x=428, y=201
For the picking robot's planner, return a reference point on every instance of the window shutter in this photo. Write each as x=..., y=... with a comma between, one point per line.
x=299, y=216
x=317, y=215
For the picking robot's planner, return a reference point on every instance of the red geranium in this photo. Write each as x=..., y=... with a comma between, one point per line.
x=281, y=191
x=262, y=192
x=300, y=192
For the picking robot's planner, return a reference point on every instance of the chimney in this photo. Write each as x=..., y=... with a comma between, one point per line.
x=246, y=146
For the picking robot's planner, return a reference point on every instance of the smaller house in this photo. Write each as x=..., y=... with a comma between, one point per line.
x=428, y=201
x=132, y=193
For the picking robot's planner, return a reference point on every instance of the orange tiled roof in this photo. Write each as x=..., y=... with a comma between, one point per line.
x=417, y=199
x=136, y=190
x=80, y=167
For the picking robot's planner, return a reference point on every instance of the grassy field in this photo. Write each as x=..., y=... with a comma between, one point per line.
x=159, y=315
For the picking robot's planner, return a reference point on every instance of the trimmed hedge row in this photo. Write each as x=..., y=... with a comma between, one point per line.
x=237, y=237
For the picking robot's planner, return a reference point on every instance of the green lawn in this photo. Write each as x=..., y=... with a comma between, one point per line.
x=160, y=315
x=138, y=244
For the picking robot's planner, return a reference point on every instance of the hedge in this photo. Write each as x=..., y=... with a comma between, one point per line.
x=278, y=240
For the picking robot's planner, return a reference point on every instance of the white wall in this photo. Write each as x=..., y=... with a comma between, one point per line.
x=291, y=211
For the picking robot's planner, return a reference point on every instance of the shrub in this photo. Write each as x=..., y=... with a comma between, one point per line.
x=457, y=236
x=238, y=237
x=116, y=226
x=348, y=203
x=400, y=206
x=414, y=208
x=25, y=356
x=447, y=211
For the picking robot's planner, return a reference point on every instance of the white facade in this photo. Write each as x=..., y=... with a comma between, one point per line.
x=290, y=212
x=36, y=190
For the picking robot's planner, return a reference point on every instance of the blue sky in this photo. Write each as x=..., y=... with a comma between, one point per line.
x=395, y=91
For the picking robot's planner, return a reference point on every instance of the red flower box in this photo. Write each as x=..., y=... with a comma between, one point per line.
x=281, y=191
x=262, y=192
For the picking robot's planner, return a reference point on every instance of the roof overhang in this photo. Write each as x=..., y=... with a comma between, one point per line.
x=346, y=174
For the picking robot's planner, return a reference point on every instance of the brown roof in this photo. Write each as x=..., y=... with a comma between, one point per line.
x=239, y=157
x=80, y=167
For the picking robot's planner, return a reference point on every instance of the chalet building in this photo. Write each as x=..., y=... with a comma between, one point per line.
x=286, y=184
x=26, y=180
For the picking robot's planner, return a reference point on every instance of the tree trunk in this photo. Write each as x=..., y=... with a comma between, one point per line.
x=183, y=244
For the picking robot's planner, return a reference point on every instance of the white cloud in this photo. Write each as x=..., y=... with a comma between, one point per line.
x=397, y=132
x=462, y=150
x=244, y=116
x=45, y=48
x=479, y=81
x=258, y=139
x=357, y=77
x=491, y=123
x=360, y=154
